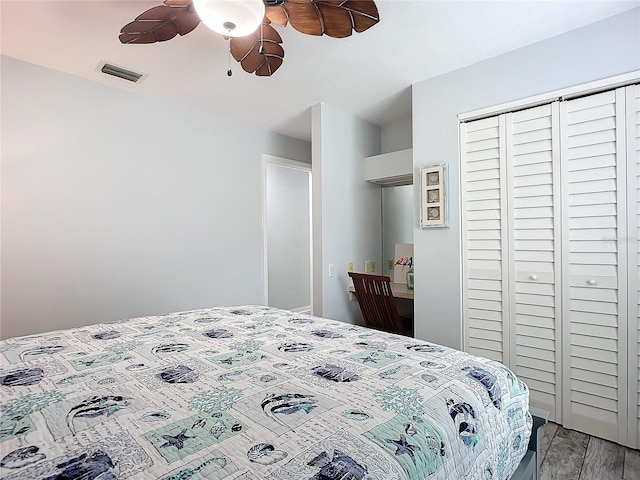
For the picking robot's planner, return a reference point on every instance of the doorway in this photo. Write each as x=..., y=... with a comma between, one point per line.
x=287, y=234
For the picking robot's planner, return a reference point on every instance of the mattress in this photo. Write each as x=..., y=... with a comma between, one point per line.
x=253, y=392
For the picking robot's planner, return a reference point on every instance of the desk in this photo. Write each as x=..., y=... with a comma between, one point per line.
x=399, y=290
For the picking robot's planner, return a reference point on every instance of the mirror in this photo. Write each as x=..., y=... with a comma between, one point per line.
x=397, y=222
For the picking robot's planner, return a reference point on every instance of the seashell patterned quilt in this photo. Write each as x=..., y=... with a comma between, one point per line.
x=253, y=393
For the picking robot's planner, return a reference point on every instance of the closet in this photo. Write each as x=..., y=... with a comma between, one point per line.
x=550, y=209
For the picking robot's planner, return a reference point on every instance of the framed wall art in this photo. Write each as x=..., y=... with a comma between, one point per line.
x=433, y=196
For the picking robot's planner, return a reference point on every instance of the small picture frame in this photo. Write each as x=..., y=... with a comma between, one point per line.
x=433, y=208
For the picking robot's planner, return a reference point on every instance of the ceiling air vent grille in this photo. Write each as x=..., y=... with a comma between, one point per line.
x=120, y=72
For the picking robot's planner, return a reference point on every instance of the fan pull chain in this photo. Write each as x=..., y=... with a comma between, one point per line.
x=229, y=72
x=261, y=49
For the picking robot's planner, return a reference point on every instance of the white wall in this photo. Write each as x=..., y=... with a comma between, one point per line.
x=115, y=205
x=346, y=209
x=603, y=49
x=396, y=136
x=288, y=236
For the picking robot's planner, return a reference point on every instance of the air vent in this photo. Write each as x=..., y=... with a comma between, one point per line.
x=120, y=72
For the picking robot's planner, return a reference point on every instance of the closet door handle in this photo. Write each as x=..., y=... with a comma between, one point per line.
x=533, y=277
x=591, y=281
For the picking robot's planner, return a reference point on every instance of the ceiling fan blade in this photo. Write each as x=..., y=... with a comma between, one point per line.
x=335, y=18
x=304, y=16
x=277, y=14
x=246, y=50
x=270, y=65
x=363, y=12
x=337, y=21
x=161, y=23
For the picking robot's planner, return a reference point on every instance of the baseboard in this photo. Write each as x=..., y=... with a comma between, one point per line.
x=306, y=310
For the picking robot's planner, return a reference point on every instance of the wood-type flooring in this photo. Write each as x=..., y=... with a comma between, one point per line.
x=571, y=455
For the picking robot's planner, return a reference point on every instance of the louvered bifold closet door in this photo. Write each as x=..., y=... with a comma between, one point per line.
x=485, y=292
x=633, y=189
x=533, y=171
x=594, y=265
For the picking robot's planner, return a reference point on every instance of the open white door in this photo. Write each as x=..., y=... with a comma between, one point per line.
x=287, y=231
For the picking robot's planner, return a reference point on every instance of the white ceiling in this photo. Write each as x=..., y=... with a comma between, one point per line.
x=367, y=74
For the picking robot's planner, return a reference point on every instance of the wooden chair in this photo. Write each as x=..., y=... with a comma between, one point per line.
x=378, y=305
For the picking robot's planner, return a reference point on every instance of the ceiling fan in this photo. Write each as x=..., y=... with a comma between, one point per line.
x=259, y=51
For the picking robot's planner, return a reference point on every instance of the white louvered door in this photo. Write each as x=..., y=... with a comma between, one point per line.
x=485, y=301
x=633, y=189
x=551, y=256
x=594, y=265
x=533, y=173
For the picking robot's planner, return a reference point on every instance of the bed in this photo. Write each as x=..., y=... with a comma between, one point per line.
x=253, y=392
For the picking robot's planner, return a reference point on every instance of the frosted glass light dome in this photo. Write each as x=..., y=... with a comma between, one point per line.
x=234, y=18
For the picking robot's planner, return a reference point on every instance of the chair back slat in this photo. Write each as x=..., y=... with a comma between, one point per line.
x=377, y=303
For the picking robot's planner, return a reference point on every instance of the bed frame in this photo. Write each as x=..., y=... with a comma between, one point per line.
x=529, y=468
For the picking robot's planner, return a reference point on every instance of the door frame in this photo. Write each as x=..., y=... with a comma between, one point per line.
x=296, y=165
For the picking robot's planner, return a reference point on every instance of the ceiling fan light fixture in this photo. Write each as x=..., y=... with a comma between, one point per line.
x=233, y=18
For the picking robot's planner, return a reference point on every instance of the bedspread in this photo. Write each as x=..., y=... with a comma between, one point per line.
x=250, y=393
